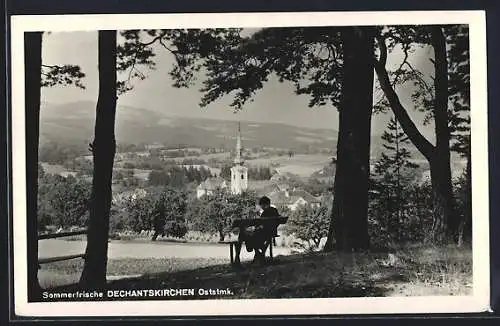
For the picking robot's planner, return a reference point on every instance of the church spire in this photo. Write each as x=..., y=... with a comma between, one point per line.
x=238, y=159
x=239, y=172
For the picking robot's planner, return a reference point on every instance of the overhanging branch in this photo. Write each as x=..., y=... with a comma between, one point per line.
x=409, y=127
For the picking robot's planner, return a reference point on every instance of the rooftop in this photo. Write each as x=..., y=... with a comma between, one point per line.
x=213, y=183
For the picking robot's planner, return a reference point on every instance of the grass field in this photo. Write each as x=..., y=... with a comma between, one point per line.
x=68, y=272
x=299, y=164
x=407, y=272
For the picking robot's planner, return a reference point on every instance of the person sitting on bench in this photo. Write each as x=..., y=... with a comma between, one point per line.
x=255, y=239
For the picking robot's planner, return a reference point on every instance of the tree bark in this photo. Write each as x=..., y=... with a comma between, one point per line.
x=465, y=227
x=468, y=201
x=349, y=221
x=32, y=82
x=445, y=224
x=442, y=203
x=103, y=149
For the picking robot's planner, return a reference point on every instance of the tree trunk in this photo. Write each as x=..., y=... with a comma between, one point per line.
x=465, y=228
x=445, y=224
x=468, y=207
x=349, y=221
x=155, y=236
x=32, y=84
x=221, y=236
x=442, y=202
x=103, y=149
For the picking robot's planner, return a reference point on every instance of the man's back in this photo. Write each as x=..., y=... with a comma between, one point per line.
x=270, y=212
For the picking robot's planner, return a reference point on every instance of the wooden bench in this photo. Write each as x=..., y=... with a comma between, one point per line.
x=242, y=224
x=272, y=242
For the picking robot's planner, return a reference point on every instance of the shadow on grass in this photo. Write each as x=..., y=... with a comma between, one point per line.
x=297, y=276
x=313, y=275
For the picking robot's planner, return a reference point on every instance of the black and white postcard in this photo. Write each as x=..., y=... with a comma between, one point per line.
x=250, y=164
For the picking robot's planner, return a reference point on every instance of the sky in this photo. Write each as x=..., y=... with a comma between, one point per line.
x=276, y=102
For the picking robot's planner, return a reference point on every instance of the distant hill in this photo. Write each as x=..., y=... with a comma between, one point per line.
x=74, y=123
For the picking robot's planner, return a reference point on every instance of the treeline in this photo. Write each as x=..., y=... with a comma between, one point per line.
x=171, y=211
x=178, y=176
x=61, y=153
x=80, y=165
x=173, y=153
x=254, y=173
x=130, y=148
x=63, y=202
x=149, y=163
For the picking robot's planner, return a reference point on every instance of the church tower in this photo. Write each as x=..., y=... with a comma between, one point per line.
x=239, y=173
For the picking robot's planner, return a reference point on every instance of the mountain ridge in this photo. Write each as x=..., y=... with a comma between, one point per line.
x=74, y=122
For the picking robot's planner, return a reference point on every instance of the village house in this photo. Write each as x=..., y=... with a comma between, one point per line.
x=207, y=187
x=293, y=199
x=154, y=145
x=121, y=197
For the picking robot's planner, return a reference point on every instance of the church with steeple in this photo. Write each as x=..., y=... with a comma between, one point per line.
x=239, y=176
x=239, y=172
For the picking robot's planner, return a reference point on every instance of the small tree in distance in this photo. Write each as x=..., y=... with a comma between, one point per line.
x=310, y=224
x=214, y=213
x=168, y=213
x=69, y=200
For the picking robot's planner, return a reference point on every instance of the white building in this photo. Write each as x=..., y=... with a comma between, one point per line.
x=239, y=173
x=293, y=199
x=208, y=186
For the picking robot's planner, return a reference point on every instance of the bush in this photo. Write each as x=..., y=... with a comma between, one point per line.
x=152, y=212
x=118, y=219
x=214, y=214
x=310, y=224
x=388, y=228
x=175, y=229
x=62, y=201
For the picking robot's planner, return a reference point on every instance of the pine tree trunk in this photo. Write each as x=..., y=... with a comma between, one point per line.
x=468, y=206
x=349, y=221
x=442, y=203
x=33, y=79
x=103, y=148
x=465, y=228
x=440, y=167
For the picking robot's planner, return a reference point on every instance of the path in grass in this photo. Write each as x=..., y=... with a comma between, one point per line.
x=147, y=249
x=134, y=258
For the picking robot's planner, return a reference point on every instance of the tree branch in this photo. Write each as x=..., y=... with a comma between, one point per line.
x=383, y=50
x=421, y=79
x=409, y=127
x=405, y=60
